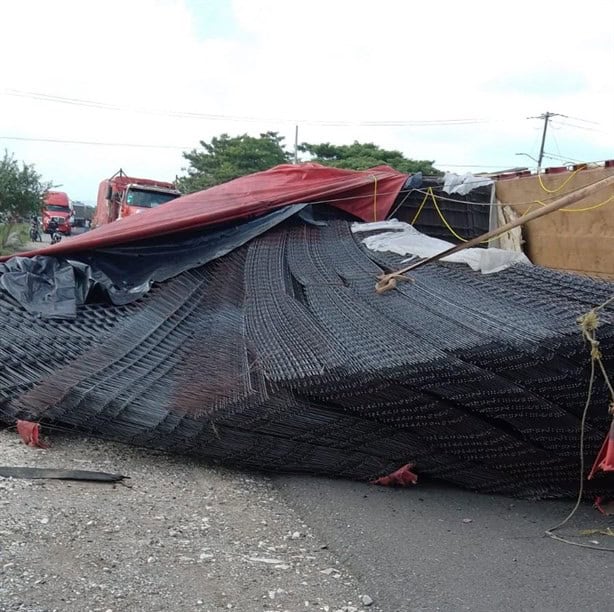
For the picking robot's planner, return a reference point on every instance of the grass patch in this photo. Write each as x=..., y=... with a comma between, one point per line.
x=13, y=237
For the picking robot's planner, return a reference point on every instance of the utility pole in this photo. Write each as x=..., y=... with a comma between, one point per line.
x=546, y=117
x=296, y=144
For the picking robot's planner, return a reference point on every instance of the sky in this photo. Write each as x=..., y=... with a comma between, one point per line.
x=89, y=87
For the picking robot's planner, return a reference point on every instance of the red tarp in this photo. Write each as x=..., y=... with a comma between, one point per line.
x=399, y=478
x=605, y=458
x=30, y=433
x=368, y=195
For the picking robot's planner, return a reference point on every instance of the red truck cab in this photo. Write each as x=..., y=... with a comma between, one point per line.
x=56, y=205
x=122, y=196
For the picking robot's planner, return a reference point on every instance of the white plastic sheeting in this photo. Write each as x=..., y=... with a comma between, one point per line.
x=463, y=184
x=403, y=239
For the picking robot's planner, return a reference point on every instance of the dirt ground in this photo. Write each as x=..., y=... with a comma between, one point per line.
x=179, y=536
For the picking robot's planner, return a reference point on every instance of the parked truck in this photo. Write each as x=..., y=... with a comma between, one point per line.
x=122, y=195
x=57, y=205
x=83, y=214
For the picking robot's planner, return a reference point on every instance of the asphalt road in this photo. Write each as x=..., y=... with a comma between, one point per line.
x=436, y=548
x=46, y=239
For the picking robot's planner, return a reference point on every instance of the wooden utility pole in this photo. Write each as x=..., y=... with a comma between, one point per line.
x=546, y=117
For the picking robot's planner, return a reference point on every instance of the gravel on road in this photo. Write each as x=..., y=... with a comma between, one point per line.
x=181, y=535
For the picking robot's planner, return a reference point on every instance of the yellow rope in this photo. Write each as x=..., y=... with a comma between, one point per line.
x=588, y=207
x=454, y=233
x=547, y=190
x=561, y=186
x=584, y=209
x=589, y=322
x=430, y=194
x=426, y=196
x=594, y=312
x=445, y=221
x=570, y=210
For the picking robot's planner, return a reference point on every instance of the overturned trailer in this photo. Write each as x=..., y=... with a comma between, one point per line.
x=241, y=324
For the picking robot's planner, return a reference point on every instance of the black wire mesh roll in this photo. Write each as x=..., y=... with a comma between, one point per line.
x=280, y=356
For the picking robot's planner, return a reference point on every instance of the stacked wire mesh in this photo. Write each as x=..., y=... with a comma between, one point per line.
x=280, y=356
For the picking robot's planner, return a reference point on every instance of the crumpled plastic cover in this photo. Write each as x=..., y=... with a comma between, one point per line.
x=463, y=184
x=404, y=239
x=53, y=287
x=45, y=285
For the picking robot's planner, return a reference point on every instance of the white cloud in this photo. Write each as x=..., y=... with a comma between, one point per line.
x=316, y=61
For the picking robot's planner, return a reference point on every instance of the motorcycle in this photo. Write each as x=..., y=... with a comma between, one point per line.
x=35, y=235
x=53, y=231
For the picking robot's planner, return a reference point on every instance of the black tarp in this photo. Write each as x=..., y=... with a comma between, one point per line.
x=53, y=287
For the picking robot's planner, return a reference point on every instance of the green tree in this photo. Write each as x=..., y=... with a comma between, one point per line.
x=360, y=156
x=21, y=189
x=228, y=157
x=21, y=193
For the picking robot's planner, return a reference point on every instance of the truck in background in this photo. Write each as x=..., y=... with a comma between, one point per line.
x=57, y=205
x=122, y=195
x=83, y=214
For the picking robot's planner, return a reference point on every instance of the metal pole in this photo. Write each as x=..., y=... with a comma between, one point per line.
x=546, y=117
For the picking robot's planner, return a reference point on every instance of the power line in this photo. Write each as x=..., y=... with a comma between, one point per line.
x=563, y=158
x=468, y=166
x=583, y=120
x=217, y=117
x=162, y=146
x=186, y=147
x=579, y=127
x=556, y=143
x=95, y=143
